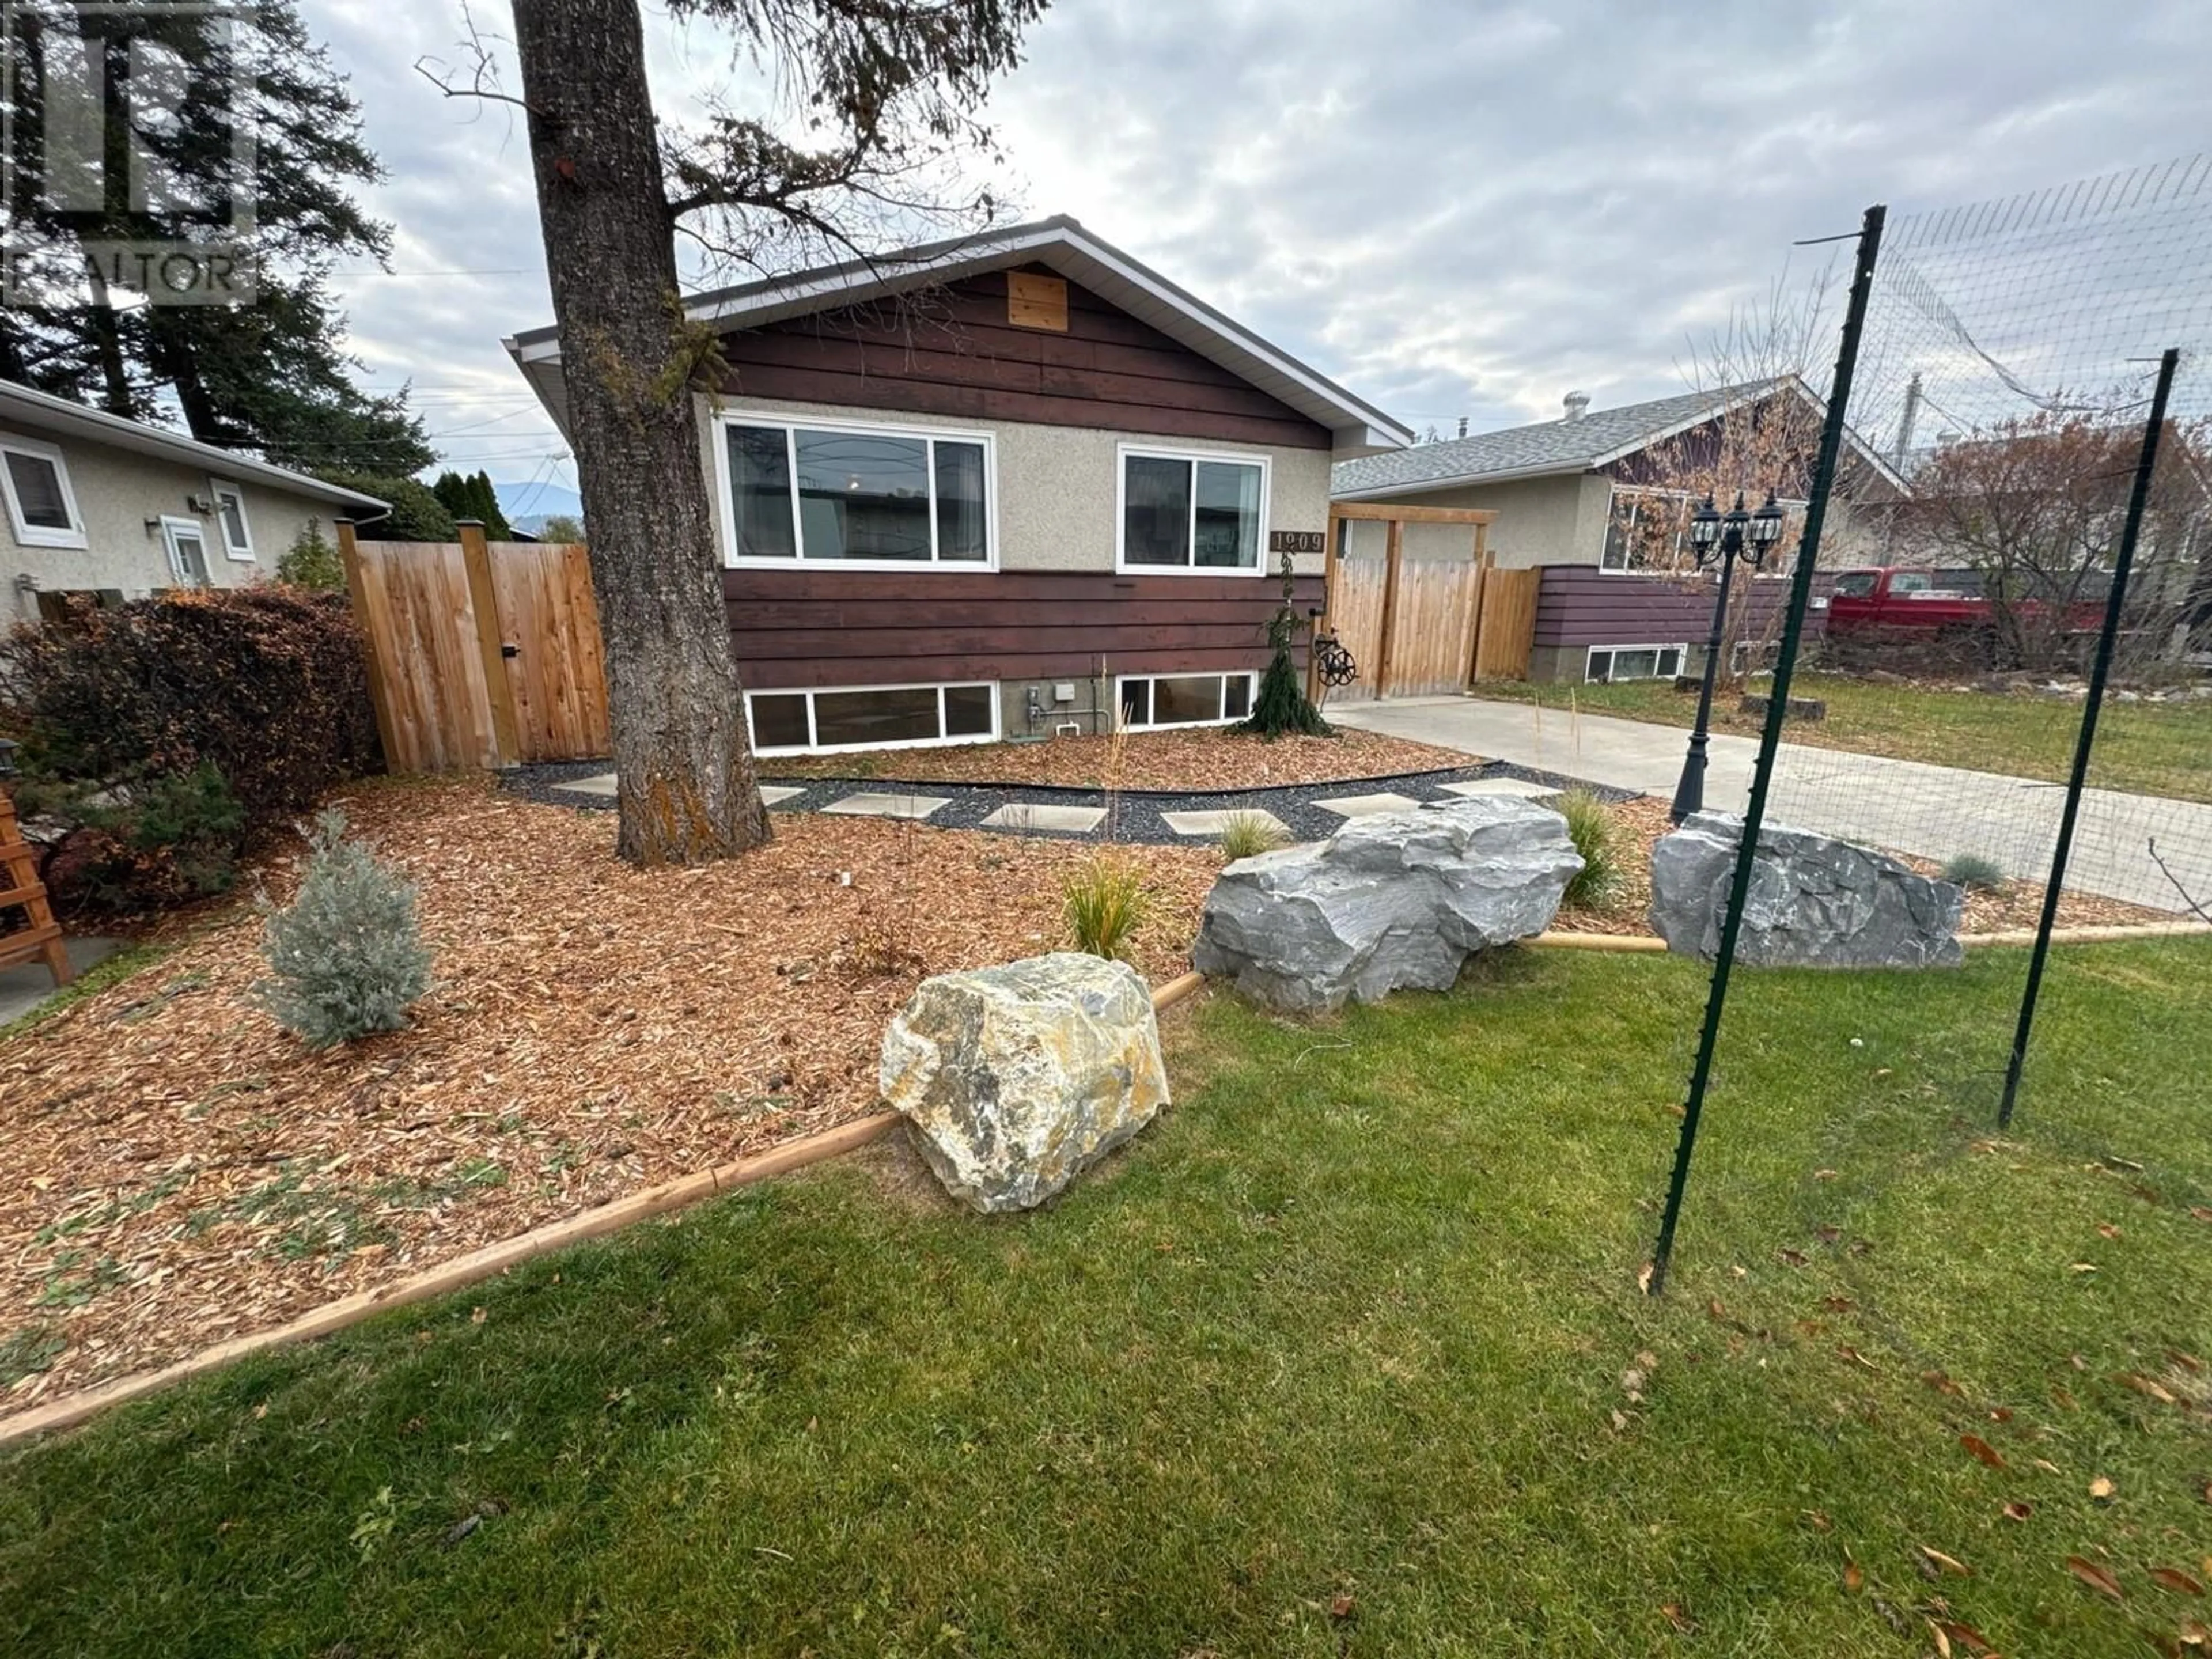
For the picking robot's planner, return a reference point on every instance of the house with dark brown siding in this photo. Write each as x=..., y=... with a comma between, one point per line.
x=1596, y=501
x=1009, y=485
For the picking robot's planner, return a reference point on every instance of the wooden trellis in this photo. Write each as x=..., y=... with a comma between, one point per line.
x=21, y=889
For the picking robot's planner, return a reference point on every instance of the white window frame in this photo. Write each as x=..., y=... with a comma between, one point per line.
x=217, y=489
x=37, y=535
x=1681, y=660
x=1249, y=676
x=1122, y=454
x=172, y=526
x=790, y=425
x=810, y=692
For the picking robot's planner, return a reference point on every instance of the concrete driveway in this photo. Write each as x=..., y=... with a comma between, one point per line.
x=1932, y=812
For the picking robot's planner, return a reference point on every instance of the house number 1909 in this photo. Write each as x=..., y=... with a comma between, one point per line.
x=1296, y=541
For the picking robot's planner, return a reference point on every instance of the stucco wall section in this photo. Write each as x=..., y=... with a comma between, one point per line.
x=1556, y=520
x=116, y=494
x=1057, y=485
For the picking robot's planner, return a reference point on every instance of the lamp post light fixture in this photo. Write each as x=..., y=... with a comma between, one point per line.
x=1725, y=537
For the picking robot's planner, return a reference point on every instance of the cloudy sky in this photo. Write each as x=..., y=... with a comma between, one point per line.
x=1455, y=208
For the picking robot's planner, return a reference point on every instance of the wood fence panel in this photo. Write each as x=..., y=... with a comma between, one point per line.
x=1507, y=625
x=1356, y=591
x=549, y=622
x=413, y=597
x=1433, y=637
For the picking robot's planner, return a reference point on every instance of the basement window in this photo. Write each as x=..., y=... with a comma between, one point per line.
x=1152, y=701
x=1634, y=662
x=871, y=717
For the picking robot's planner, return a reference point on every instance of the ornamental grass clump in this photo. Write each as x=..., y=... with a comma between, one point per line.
x=1248, y=834
x=1972, y=869
x=1104, y=901
x=1590, y=826
x=346, y=957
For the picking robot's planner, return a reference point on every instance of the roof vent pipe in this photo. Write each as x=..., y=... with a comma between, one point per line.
x=1578, y=405
x=1462, y=426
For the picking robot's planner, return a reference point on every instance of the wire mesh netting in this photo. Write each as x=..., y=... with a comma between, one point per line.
x=2020, y=513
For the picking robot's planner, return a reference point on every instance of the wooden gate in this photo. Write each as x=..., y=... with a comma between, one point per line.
x=481, y=654
x=1410, y=619
x=1506, y=628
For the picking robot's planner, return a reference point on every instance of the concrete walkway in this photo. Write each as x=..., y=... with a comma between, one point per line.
x=28, y=984
x=1932, y=812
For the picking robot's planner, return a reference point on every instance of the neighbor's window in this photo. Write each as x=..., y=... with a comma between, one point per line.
x=872, y=717
x=1158, y=700
x=854, y=495
x=1857, y=584
x=230, y=514
x=41, y=506
x=1190, y=512
x=1635, y=662
x=1648, y=530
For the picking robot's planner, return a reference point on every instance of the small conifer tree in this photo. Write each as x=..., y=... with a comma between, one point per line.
x=310, y=561
x=346, y=956
x=1282, y=707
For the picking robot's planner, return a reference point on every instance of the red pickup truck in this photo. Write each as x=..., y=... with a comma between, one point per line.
x=1940, y=599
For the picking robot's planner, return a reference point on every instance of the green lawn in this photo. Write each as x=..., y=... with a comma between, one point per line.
x=1335, y=1360
x=2158, y=748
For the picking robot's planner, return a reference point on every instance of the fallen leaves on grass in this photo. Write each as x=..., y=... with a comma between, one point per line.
x=1945, y=1563
x=1982, y=1451
x=2172, y=1578
x=2095, y=1577
x=2101, y=1489
x=2018, y=1511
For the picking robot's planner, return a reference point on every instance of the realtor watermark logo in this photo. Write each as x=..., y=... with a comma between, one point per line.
x=127, y=153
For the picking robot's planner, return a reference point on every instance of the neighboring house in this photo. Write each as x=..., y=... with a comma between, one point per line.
x=1599, y=499
x=112, y=509
x=1001, y=486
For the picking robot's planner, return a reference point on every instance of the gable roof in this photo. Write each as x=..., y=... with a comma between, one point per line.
x=1597, y=439
x=23, y=408
x=1065, y=247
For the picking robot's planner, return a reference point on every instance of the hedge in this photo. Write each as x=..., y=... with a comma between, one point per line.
x=266, y=685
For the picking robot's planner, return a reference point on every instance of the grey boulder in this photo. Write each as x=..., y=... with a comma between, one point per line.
x=1016, y=1079
x=1395, y=902
x=1814, y=902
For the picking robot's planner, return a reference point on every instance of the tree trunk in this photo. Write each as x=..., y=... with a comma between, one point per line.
x=687, y=793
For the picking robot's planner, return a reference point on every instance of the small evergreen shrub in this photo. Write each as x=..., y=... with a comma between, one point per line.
x=1972, y=869
x=1590, y=826
x=1105, y=901
x=312, y=560
x=1248, y=834
x=346, y=957
x=1282, y=708
x=143, y=844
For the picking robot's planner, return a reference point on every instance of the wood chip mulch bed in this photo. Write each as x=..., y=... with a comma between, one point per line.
x=1183, y=762
x=2018, y=905
x=177, y=1170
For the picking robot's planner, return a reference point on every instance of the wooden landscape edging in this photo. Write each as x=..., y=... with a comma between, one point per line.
x=1651, y=944
x=495, y=1258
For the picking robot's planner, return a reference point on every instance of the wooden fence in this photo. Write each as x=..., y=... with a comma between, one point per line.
x=481, y=654
x=1413, y=623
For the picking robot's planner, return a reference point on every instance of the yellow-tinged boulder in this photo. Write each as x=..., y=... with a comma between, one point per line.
x=1018, y=1078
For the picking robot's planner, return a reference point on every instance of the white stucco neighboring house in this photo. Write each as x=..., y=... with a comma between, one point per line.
x=115, y=509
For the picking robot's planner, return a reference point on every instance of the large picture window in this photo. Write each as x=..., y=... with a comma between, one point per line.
x=875, y=498
x=1196, y=514
x=871, y=717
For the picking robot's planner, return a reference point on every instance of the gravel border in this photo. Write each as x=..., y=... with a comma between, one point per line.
x=1138, y=818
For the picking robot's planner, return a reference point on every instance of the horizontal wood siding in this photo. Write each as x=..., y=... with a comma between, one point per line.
x=954, y=353
x=1581, y=605
x=816, y=628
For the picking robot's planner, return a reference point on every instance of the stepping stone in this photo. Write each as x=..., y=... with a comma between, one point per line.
x=1196, y=824
x=871, y=806
x=1362, y=806
x=1520, y=786
x=603, y=784
x=1027, y=815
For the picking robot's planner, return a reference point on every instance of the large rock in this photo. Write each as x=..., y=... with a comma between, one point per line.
x=1814, y=902
x=1016, y=1079
x=1389, y=903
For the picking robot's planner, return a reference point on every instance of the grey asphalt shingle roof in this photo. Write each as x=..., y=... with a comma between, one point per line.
x=1600, y=435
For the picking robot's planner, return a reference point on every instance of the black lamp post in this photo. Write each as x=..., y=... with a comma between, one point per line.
x=1714, y=535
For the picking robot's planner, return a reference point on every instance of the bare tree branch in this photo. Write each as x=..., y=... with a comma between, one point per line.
x=2187, y=897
